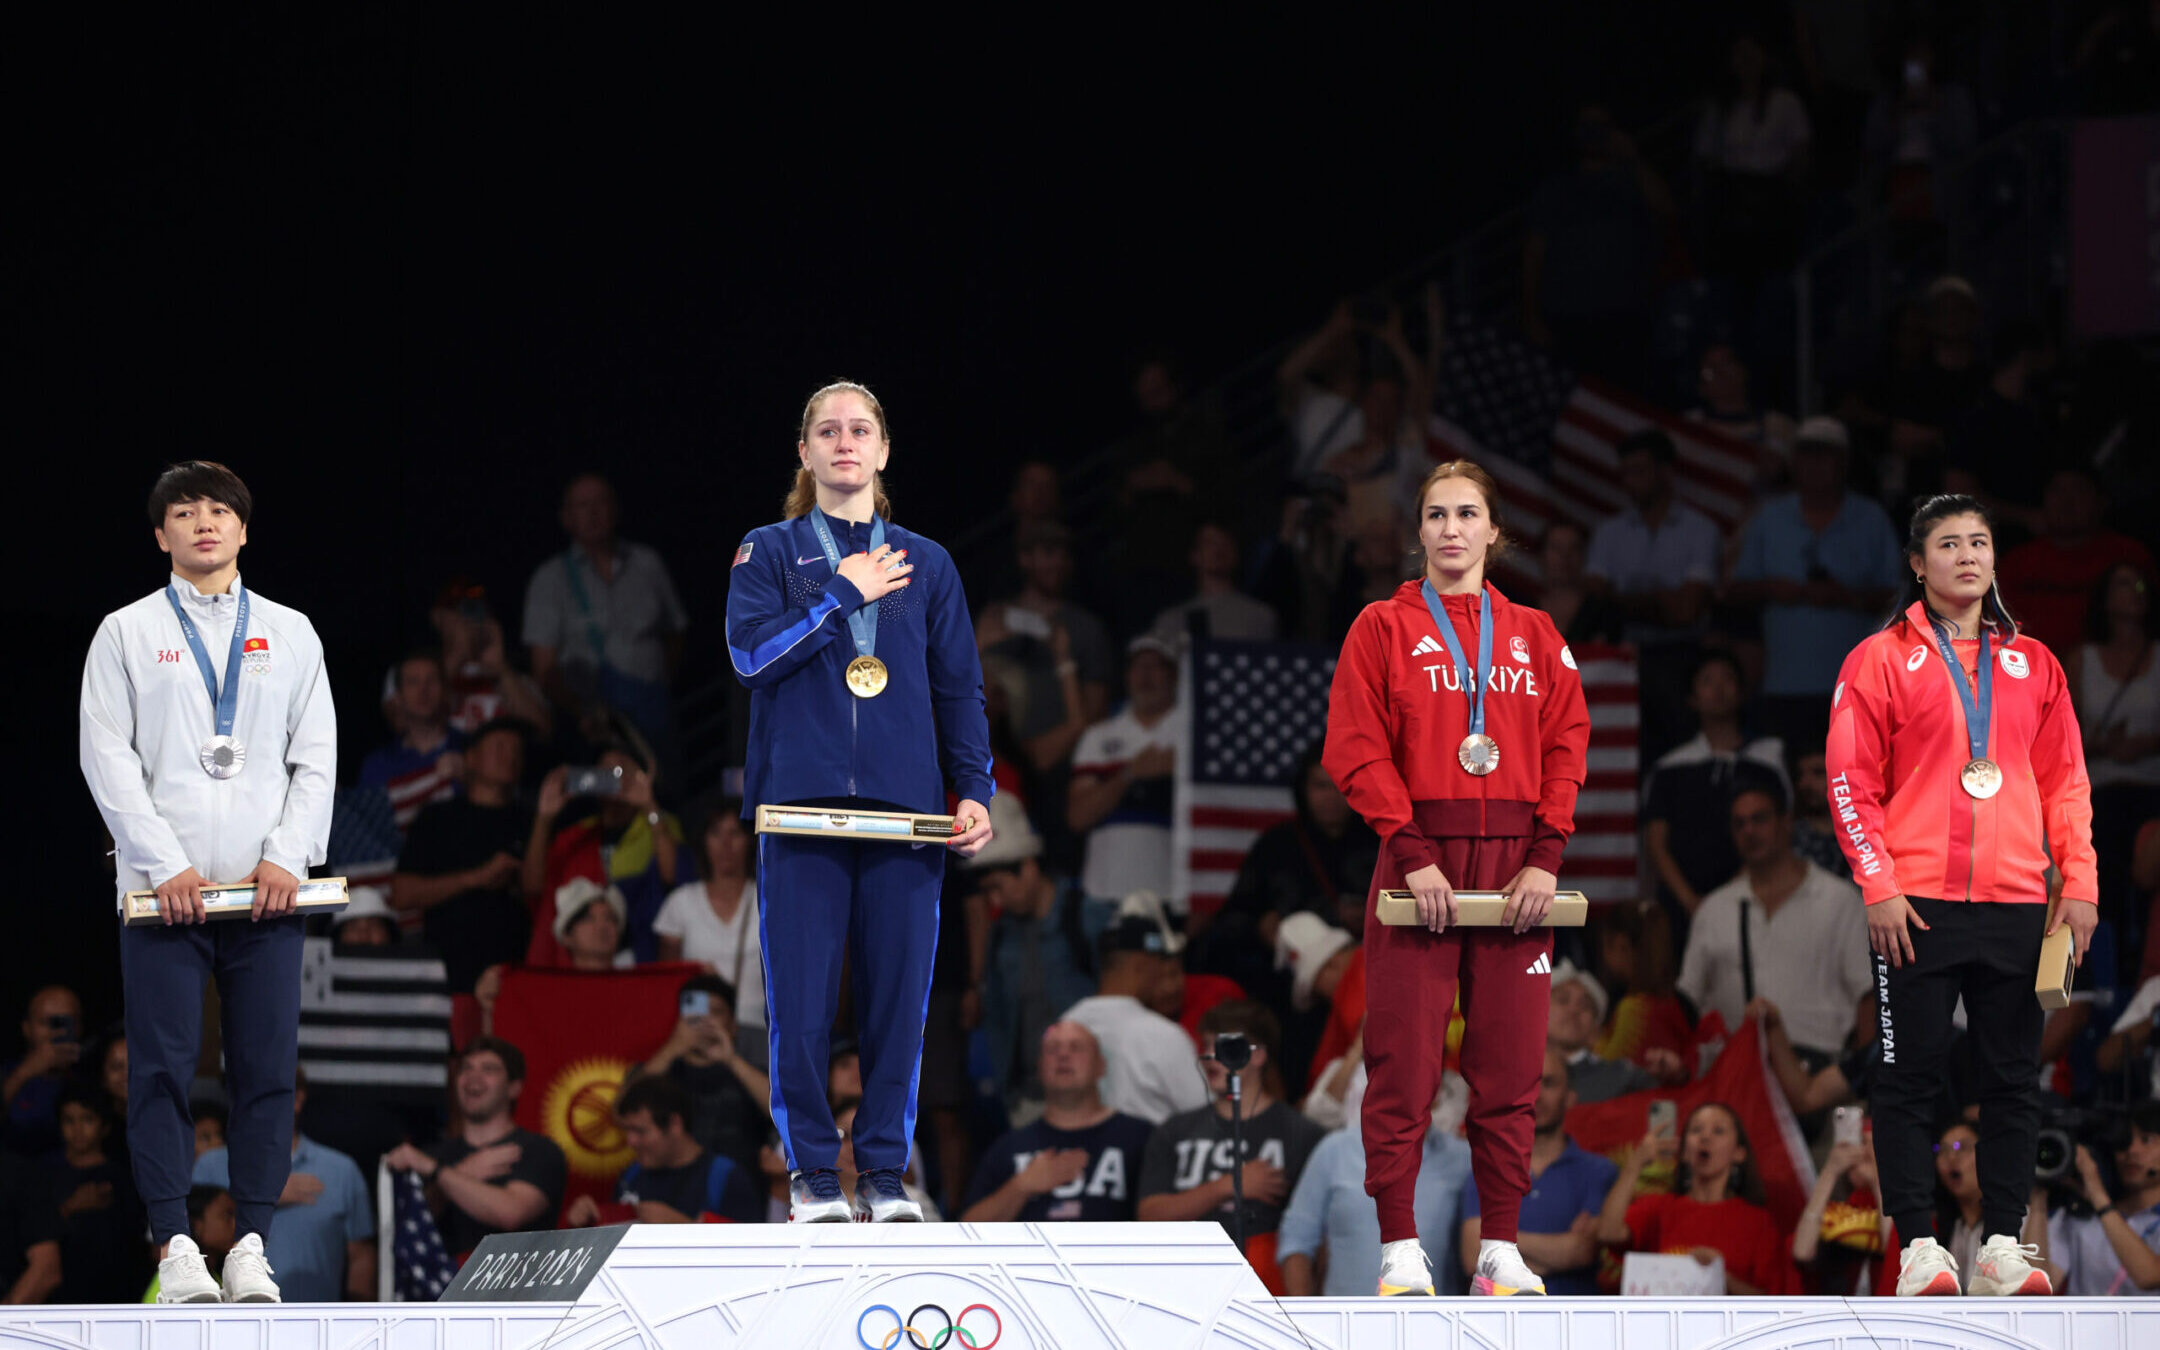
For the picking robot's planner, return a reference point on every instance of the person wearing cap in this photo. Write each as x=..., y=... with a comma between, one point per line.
x=1121, y=780
x=1037, y=961
x=1457, y=728
x=366, y=921
x=209, y=742
x=1578, y=1008
x=589, y=926
x=866, y=693
x=1149, y=1070
x=1821, y=564
x=462, y=865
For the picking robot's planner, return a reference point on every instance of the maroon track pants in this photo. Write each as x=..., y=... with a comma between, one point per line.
x=1410, y=982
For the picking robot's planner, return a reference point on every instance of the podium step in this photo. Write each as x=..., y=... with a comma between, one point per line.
x=1039, y=1287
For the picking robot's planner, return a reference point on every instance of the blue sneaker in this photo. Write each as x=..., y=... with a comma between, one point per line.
x=881, y=1198
x=814, y=1196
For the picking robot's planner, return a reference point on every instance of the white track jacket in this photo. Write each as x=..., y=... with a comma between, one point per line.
x=146, y=714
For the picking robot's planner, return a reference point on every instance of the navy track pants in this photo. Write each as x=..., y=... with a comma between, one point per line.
x=875, y=904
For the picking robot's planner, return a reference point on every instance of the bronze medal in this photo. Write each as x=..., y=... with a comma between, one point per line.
x=1478, y=754
x=866, y=677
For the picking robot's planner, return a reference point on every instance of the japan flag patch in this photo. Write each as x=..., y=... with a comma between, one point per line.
x=742, y=555
x=2015, y=665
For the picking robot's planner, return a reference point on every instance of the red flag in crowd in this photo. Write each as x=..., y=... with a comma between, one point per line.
x=1741, y=1079
x=581, y=1031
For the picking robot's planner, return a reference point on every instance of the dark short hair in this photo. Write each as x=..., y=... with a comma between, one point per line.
x=209, y=1109
x=1650, y=441
x=513, y=1059
x=199, y=1200
x=1247, y=1017
x=194, y=480
x=1749, y=778
x=431, y=655
x=723, y=993
x=2145, y=1117
x=500, y=722
x=89, y=1096
x=1717, y=656
x=659, y=1096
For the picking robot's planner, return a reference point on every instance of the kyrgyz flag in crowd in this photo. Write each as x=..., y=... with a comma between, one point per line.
x=1741, y=1079
x=581, y=1031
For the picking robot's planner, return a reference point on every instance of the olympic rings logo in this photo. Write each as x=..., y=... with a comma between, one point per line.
x=955, y=1328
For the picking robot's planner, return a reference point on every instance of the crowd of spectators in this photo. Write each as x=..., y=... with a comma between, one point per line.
x=527, y=805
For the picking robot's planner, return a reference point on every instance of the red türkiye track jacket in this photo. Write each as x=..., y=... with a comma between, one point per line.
x=1396, y=715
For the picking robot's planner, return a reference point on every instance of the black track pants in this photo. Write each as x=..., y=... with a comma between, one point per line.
x=1987, y=953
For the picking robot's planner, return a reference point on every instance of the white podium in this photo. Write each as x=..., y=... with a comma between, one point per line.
x=1069, y=1286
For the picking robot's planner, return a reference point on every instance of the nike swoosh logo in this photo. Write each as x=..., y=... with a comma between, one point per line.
x=805, y=562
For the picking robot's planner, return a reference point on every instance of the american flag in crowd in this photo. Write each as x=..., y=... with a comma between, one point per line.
x=1549, y=437
x=1257, y=706
x=1254, y=708
x=423, y=1265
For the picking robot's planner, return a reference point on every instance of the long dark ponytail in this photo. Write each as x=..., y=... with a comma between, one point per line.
x=1926, y=516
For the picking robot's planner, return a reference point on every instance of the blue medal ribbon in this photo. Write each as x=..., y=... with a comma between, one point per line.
x=862, y=624
x=1977, y=711
x=226, y=701
x=1476, y=693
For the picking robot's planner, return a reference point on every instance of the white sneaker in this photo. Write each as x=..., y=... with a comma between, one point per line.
x=247, y=1274
x=1501, y=1272
x=182, y=1276
x=1405, y=1269
x=2005, y=1266
x=1927, y=1269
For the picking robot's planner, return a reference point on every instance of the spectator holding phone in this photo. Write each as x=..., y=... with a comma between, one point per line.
x=52, y=1044
x=1843, y=1233
x=1715, y=1209
x=730, y=1097
x=601, y=822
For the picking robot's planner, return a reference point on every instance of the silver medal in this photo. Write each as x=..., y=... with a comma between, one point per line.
x=223, y=756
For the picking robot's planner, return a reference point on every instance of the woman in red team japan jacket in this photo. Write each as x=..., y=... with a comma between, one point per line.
x=1955, y=764
x=1457, y=729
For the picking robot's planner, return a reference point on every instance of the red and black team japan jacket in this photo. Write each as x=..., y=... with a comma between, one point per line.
x=1397, y=714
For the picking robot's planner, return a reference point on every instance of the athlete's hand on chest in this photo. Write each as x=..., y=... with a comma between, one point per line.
x=877, y=573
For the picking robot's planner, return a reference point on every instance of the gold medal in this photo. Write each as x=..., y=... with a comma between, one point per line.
x=1982, y=778
x=866, y=677
x=1478, y=754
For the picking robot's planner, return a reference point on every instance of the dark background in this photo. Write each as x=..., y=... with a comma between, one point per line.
x=408, y=269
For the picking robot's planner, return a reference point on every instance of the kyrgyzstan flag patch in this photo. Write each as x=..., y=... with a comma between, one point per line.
x=255, y=645
x=742, y=555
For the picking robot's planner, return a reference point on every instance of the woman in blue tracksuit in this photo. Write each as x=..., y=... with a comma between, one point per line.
x=853, y=637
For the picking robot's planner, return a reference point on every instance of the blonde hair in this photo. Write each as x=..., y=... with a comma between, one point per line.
x=803, y=495
x=1487, y=488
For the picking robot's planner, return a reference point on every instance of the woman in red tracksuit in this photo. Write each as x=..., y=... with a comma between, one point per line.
x=1955, y=764
x=1457, y=728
